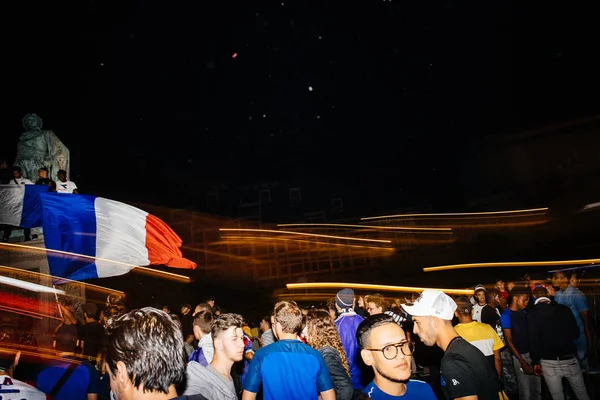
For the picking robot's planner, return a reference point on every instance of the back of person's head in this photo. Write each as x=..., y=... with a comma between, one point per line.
x=289, y=316
x=225, y=321
x=540, y=291
x=204, y=320
x=146, y=346
x=464, y=307
x=66, y=338
x=378, y=300
x=368, y=324
x=520, y=291
x=91, y=310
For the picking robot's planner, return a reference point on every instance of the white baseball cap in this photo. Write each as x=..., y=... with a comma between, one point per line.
x=432, y=303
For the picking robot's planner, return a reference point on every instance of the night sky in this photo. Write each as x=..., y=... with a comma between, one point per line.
x=245, y=91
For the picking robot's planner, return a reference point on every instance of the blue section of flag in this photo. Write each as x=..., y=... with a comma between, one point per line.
x=69, y=223
x=31, y=217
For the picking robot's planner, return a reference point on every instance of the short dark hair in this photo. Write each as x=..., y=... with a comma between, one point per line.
x=368, y=324
x=520, y=291
x=463, y=305
x=204, y=320
x=226, y=321
x=267, y=319
x=150, y=344
x=540, y=291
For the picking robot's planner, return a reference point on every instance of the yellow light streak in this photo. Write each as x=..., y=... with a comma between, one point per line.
x=399, y=228
x=102, y=288
x=458, y=214
x=512, y=264
x=357, y=246
x=362, y=286
x=93, y=258
x=304, y=234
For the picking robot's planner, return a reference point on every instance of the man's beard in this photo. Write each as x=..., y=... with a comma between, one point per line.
x=389, y=378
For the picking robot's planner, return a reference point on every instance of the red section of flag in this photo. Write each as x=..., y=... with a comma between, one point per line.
x=163, y=245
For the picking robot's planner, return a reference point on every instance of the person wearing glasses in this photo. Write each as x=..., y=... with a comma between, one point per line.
x=466, y=374
x=384, y=348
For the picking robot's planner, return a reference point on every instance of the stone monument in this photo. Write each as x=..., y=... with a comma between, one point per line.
x=38, y=147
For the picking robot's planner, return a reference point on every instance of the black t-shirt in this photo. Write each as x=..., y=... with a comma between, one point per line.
x=466, y=372
x=92, y=335
x=489, y=316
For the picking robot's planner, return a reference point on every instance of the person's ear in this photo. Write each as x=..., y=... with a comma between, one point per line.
x=121, y=374
x=367, y=357
x=456, y=314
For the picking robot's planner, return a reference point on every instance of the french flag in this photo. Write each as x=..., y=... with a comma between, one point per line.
x=118, y=237
x=20, y=205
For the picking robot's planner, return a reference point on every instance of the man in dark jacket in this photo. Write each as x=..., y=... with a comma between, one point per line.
x=552, y=329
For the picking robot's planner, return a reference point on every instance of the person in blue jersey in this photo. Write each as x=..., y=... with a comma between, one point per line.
x=288, y=369
x=347, y=322
x=384, y=348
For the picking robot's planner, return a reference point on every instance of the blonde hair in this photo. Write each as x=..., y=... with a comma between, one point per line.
x=323, y=332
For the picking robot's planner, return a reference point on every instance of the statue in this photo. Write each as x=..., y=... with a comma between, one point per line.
x=40, y=148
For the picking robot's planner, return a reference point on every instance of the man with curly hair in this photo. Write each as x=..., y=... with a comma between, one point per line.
x=144, y=356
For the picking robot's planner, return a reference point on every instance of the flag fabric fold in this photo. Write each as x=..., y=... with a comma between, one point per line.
x=20, y=205
x=115, y=236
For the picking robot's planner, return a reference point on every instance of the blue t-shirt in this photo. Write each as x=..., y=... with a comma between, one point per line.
x=289, y=370
x=83, y=380
x=516, y=321
x=576, y=301
x=415, y=390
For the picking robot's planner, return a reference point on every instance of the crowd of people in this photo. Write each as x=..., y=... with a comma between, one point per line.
x=503, y=342
x=14, y=176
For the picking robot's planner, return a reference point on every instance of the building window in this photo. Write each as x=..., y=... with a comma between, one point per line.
x=337, y=205
x=212, y=201
x=264, y=196
x=295, y=196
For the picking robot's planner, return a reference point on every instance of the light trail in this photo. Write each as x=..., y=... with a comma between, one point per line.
x=362, y=286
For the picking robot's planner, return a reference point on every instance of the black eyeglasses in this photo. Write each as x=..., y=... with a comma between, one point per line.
x=391, y=350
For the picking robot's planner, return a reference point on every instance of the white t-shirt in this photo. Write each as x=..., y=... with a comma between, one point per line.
x=20, y=181
x=65, y=187
x=477, y=312
x=12, y=389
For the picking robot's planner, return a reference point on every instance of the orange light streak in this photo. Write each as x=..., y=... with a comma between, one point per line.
x=459, y=214
x=400, y=228
x=512, y=264
x=304, y=234
x=362, y=286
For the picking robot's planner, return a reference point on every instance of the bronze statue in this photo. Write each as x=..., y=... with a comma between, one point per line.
x=38, y=148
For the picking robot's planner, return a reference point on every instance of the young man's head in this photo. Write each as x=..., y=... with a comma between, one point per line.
x=500, y=284
x=210, y=300
x=145, y=355
x=265, y=323
x=432, y=313
x=203, y=324
x=480, y=295
x=287, y=319
x=384, y=347
x=520, y=297
x=344, y=300
x=91, y=312
x=375, y=304
x=540, y=291
x=228, y=337
x=561, y=279
x=464, y=309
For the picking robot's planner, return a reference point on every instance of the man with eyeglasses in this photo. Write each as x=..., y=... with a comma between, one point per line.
x=466, y=374
x=385, y=348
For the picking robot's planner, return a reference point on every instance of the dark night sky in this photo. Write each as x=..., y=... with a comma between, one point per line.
x=397, y=86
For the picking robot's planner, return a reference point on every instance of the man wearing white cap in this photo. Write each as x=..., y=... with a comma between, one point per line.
x=466, y=374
